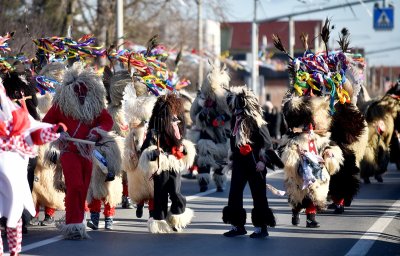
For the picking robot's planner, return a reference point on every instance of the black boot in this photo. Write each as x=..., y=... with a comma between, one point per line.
x=93, y=223
x=259, y=232
x=236, y=231
x=127, y=202
x=339, y=209
x=331, y=206
x=295, y=217
x=203, y=185
x=378, y=177
x=47, y=221
x=139, y=210
x=311, y=222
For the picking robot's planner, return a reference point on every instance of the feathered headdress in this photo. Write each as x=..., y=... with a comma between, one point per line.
x=324, y=74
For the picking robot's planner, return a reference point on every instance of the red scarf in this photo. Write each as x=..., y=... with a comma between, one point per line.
x=176, y=151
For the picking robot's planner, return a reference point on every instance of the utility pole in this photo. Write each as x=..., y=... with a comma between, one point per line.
x=254, y=51
x=120, y=23
x=291, y=36
x=200, y=43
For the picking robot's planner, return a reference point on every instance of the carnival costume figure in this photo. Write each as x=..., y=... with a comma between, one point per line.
x=80, y=103
x=383, y=119
x=251, y=152
x=165, y=154
x=211, y=118
x=309, y=154
x=19, y=132
x=106, y=182
x=48, y=190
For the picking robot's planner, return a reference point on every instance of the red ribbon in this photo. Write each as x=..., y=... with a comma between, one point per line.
x=245, y=149
x=176, y=151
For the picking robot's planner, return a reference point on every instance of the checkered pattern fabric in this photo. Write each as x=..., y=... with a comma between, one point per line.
x=14, y=238
x=48, y=134
x=19, y=144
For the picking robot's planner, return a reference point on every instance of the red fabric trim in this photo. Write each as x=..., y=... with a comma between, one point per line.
x=20, y=121
x=125, y=188
x=49, y=211
x=3, y=128
x=151, y=204
x=338, y=201
x=311, y=209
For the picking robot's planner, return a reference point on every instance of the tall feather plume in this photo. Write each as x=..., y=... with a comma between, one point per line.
x=107, y=74
x=344, y=39
x=325, y=33
x=278, y=45
x=304, y=40
x=178, y=57
x=151, y=44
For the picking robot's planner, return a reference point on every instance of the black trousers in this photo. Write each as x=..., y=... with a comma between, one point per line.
x=243, y=172
x=167, y=183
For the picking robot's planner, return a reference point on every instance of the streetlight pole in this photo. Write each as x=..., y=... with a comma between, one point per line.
x=254, y=50
x=120, y=23
x=291, y=36
x=200, y=43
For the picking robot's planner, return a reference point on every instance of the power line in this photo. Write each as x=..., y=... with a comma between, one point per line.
x=349, y=4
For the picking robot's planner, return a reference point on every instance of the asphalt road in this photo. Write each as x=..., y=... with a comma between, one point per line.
x=371, y=226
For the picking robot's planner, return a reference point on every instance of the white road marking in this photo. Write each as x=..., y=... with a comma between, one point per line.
x=368, y=239
x=41, y=243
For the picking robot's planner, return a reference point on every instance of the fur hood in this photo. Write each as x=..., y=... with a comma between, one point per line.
x=68, y=101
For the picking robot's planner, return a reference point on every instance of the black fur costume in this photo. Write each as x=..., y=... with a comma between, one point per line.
x=165, y=154
x=347, y=129
x=248, y=130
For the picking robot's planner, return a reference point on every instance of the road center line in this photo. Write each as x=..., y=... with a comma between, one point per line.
x=368, y=239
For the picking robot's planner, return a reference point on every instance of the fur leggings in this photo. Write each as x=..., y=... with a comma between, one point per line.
x=14, y=238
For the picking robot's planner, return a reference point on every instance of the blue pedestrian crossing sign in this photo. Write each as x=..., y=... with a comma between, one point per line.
x=383, y=18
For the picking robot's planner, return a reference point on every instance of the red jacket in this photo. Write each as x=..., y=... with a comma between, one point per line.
x=55, y=115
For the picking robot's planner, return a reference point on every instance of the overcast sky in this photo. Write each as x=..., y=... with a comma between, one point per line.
x=357, y=19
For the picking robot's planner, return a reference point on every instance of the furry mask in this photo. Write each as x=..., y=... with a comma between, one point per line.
x=82, y=94
x=247, y=113
x=300, y=112
x=168, y=120
x=212, y=89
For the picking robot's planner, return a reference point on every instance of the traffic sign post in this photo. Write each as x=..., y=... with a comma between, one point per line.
x=383, y=18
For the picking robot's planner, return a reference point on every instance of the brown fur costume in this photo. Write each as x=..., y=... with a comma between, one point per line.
x=44, y=193
x=380, y=115
x=299, y=112
x=140, y=186
x=111, y=146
